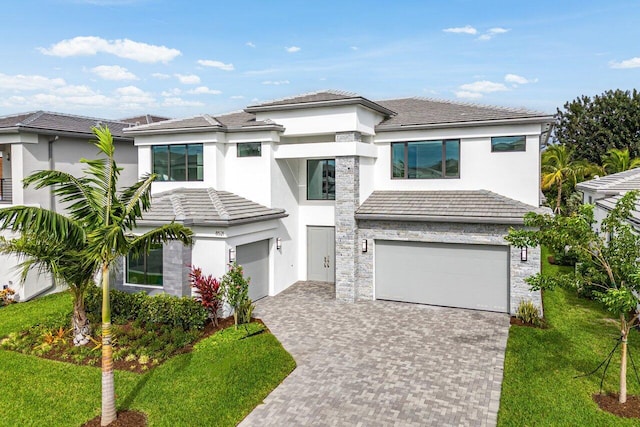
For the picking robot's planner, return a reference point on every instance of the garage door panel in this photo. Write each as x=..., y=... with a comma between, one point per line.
x=454, y=275
x=254, y=259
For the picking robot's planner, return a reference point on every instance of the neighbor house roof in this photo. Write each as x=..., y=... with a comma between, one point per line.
x=616, y=183
x=610, y=202
x=206, y=206
x=57, y=123
x=236, y=121
x=412, y=112
x=144, y=119
x=477, y=206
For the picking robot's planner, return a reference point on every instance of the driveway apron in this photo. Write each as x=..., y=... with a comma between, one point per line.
x=381, y=363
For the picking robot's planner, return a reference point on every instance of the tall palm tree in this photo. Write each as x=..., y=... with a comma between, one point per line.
x=616, y=160
x=559, y=167
x=103, y=218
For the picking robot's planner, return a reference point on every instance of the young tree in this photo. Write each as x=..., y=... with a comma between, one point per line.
x=591, y=126
x=610, y=266
x=559, y=169
x=103, y=218
x=615, y=160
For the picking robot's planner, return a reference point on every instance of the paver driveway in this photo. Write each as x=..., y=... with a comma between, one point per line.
x=377, y=363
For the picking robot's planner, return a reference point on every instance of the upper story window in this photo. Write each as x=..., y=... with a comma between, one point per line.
x=321, y=179
x=425, y=159
x=145, y=269
x=508, y=143
x=178, y=162
x=249, y=149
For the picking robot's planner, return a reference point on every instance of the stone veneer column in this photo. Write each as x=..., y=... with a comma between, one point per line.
x=176, y=259
x=347, y=201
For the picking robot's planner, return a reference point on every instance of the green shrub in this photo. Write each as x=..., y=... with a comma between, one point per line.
x=529, y=313
x=124, y=305
x=235, y=289
x=184, y=312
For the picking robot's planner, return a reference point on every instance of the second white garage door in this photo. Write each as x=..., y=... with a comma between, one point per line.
x=254, y=259
x=452, y=275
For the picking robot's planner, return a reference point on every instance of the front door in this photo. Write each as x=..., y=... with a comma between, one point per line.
x=321, y=251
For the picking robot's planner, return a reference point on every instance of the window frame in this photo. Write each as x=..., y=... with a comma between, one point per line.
x=328, y=193
x=443, y=170
x=258, y=144
x=524, y=148
x=145, y=272
x=187, y=165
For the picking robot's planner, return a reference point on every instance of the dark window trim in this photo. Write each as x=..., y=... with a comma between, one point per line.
x=145, y=257
x=307, y=180
x=444, y=158
x=259, y=144
x=509, y=151
x=186, y=161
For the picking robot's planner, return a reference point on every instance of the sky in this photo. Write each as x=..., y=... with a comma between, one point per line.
x=121, y=58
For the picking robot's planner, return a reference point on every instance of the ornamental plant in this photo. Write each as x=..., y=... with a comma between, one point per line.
x=208, y=292
x=236, y=292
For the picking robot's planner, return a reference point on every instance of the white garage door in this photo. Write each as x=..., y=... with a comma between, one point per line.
x=452, y=275
x=254, y=259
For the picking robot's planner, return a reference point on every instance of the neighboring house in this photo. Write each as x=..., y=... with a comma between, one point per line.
x=42, y=140
x=604, y=192
x=405, y=199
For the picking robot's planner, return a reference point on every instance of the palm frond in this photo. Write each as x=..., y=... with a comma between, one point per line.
x=173, y=231
x=42, y=222
x=136, y=200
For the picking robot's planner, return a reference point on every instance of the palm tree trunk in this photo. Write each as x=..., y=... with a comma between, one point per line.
x=108, y=389
x=81, y=325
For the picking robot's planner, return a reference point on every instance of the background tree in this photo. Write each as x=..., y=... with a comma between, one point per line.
x=103, y=218
x=611, y=268
x=616, y=160
x=561, y=172
x=591, y=126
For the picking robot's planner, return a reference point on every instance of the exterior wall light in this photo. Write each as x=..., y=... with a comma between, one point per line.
x=232, y=255
x=364, y=245
x=278, y=243
x=523, y=254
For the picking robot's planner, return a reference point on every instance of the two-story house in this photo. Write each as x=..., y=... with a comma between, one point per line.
x=402, y=199
x=43, y=140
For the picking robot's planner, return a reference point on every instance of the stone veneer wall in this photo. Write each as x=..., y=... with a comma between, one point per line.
x=492, y=234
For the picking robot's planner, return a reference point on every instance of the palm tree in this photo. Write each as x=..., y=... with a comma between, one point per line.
x=559, y=167
x=102, y=218
x=616, y=160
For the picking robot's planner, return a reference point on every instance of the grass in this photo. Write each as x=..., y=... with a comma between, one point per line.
x=539, y=386
x=217, y=384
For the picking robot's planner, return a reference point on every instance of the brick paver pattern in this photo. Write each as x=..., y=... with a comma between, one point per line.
x=381, y=363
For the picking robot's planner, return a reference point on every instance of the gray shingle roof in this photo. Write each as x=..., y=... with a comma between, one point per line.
x=231, y=121
x=207, y=206
x=423, y=111
x=478, y=206
x=49, y=122
x=144, y=119
x=610, y=202
x=321, y=96
x=613, y=184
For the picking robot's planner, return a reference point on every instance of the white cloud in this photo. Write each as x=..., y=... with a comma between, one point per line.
x=276, y=82
x=467, y=94
x=179, y=102
x=188, y=79
x=627, y=63
x=113, y=72
x=123, y=48
x=467, y=29
x=292, y=49
x=483, y=86
x=215, y=64
x=132, y=95
x=492, y=32
x=160, y=76
x=20, y=82
x=354, y=47
x=203, y=90
x=171, y=92
x=250, y=44
x=518, y=80
x=237, y=97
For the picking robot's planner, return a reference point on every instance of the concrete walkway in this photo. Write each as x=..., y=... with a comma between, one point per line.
x=379, y=363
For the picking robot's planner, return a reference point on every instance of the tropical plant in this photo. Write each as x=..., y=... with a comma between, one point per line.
x=559, y=167
x=100, y=220
x=611, y=267
x=208, y=292
x=235, y=289
x=616, y=160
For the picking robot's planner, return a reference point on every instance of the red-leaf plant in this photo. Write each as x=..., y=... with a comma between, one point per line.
x=207, y=289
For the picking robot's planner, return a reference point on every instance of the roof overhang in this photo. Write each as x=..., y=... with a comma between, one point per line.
x=220, y=223
x=515, y=121
x=442, y=218
x=54, y=132
x=317, y=104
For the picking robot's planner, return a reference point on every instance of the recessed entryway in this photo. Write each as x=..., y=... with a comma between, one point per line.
x=321, y=249
x=254, y=259
x=451, y=275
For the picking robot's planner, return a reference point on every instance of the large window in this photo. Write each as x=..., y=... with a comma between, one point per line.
x=321, y=179
x=145, y=269
x=249, y=149
x=178, y=162
x=425, y=159
x=508, y=143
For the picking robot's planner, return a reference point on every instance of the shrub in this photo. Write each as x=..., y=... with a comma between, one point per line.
x=7, y=296
x=245, y=311
x=124, y=305
x=182, y=312
x=208, y=292
x=235, y=289
x=529, y=313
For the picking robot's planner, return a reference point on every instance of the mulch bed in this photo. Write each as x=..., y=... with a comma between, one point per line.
x=609, y=403
x=125, y=419
x=518, y=322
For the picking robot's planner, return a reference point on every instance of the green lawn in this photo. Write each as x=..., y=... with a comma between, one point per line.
x=217, y=384
x=539, y=388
